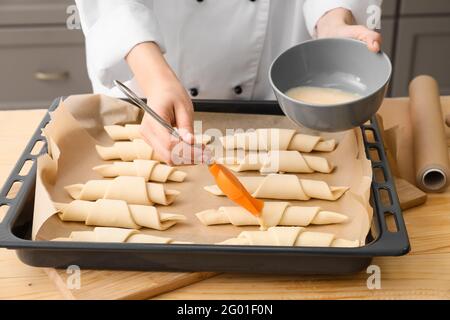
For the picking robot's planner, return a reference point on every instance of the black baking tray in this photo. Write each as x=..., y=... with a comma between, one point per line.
x=15, y=229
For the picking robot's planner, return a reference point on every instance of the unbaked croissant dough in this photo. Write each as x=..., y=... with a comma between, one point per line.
x=273, y=214
x=277, y=139
x=126, y=132
x=127, y=151
x=151, y=170
x=290, y=236
x=133, y=190
x=278, y=161
x=131, y=132
x=116, y=213
x=285, y=187
x=104, y=234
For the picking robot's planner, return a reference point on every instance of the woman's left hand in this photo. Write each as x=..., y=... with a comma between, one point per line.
x=339, y=23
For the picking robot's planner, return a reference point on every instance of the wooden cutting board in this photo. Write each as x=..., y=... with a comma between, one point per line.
x=114, y=285
x=409, y=195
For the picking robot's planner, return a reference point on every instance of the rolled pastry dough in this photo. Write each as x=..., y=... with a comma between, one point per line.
x=151, y=170
x=126, y=132
x=273, y=214
x=290, y=236
x=116, y=213
x=103, y=234
x=286, y=187
x=131, y=132
x=133, y=190
x=127, y=151
x=277, y=139
x=278, y=161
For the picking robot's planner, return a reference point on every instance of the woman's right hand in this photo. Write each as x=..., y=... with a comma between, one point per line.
x=169, y=99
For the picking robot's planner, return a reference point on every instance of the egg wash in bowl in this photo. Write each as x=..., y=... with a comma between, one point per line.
x=321, y=96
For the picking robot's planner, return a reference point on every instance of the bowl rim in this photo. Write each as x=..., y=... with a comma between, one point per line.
x=371, y=93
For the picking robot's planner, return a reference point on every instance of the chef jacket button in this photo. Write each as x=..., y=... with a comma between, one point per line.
x=238, y=89
x=193, y=92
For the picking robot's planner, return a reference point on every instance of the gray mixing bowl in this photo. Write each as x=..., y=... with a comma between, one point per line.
x=344, y=64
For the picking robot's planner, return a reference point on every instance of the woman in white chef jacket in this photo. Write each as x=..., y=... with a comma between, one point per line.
x=172, y=50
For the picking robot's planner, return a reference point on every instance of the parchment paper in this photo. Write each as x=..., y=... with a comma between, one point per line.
x=430, y=146
x=399, y=136
x=399, y=132
x=77, y=125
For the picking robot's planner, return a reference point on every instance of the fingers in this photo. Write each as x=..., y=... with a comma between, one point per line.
x=167, y=147
x=184, y=153
x=339, y=23
x=184, y=113
x=158, y=137
x=372, y=38
x=192, y=153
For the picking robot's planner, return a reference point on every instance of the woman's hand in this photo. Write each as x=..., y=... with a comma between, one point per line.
x=339, y=23
x=168, y=98
x=170, y=101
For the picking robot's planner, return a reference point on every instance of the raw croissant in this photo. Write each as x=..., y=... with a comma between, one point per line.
x=273, y=214
x=277, y=139
x=116, y=213
x=133, y=190
x=103, y=234
x=150, y=170
x=278, y=161
x=289, y=236
x=126, y=132
x=127, y=151
x=131, y=132
x=286, y=187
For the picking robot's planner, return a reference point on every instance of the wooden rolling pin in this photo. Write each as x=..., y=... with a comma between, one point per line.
x=431, y=161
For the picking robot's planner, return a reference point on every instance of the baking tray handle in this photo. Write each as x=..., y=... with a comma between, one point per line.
x=21, y=179
x=393, y=236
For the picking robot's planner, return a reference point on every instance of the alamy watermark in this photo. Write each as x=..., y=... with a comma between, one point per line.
x=73, y=281
x=251, y=147
x=374, y=17
x=374, y=280
x=73, y=19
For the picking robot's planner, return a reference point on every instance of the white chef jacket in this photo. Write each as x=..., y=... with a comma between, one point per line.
x=219, y=49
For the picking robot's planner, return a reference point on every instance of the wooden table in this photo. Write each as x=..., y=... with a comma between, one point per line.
x=424, y=273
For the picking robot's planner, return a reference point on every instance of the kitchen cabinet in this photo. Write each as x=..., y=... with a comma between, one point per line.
x=388, y=33
x=389, y=8
x=39, y=64
x=423, y=47
x=416, y=36
x=422, y=7
x=40, y=58
x=32, y=12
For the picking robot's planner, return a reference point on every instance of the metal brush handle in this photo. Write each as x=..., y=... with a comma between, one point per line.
x=141, y=104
